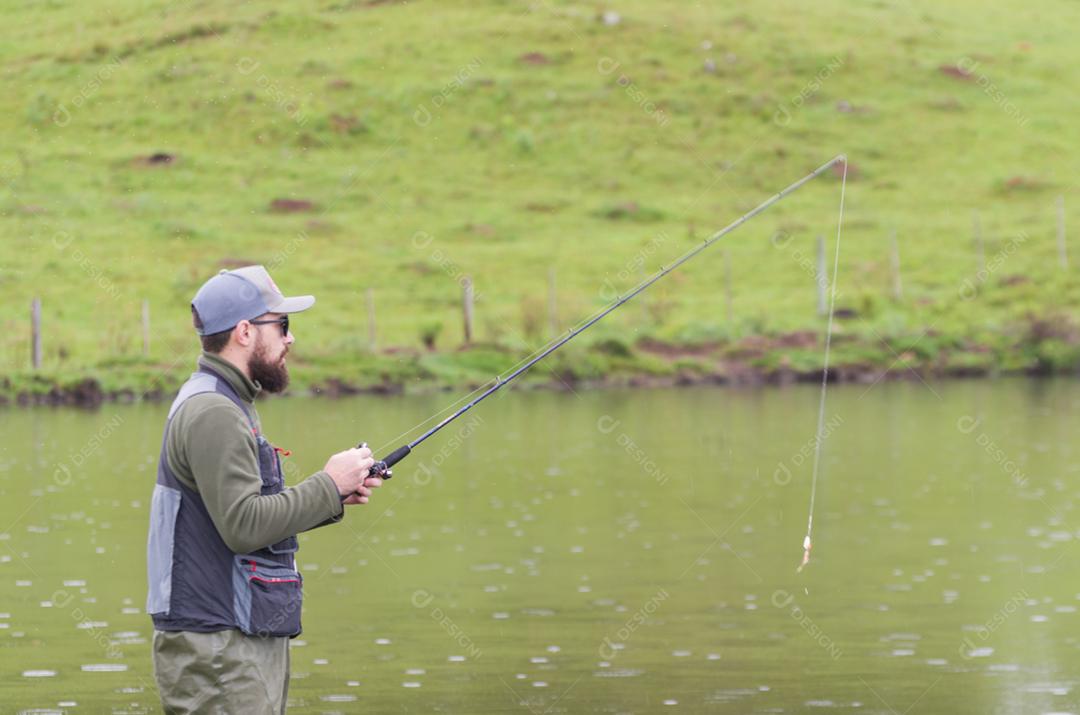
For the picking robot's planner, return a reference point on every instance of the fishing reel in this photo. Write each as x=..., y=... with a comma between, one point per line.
x=382, y=467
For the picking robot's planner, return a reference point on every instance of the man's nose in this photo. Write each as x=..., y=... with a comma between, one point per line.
x=290, y=339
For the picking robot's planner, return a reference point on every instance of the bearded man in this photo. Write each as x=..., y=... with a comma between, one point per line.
x=224, y=591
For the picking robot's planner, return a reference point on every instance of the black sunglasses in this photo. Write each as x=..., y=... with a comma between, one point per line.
x=283, y=321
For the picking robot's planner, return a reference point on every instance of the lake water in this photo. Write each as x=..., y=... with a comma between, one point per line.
x=609, y=551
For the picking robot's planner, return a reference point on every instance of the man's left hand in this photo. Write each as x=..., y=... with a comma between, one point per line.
x=363, y=495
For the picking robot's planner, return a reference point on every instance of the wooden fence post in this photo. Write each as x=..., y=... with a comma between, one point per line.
x=371, y=317
x=727, y=287
x=553, y=319
x=1061, y=232
x=980, y=252
x=145, y=328
x=897, y=283
x=821, y=278
x=467, y=307
x=35, y=333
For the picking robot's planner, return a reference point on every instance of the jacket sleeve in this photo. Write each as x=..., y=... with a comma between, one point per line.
x=215, y=446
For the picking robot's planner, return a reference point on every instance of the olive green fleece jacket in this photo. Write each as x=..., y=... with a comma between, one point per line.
x=211, y=449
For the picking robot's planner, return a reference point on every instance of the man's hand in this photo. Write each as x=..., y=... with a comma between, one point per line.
x=363, y=494
x=349, y=470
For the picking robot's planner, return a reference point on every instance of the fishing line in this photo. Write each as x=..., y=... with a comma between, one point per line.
x=381, y=468
x=820, y=438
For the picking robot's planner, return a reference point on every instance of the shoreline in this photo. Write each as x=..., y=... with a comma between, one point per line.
x=689, y=366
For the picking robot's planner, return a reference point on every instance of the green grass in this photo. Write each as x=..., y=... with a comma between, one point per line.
x=526, y=167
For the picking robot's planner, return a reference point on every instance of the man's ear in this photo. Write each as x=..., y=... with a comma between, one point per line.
x=243, y=334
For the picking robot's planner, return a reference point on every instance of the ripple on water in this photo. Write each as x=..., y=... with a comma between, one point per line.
x=92, y=625
x=39, y=673
x=485, y=567
x=618, y=673
x=338, y=698
x=731, y=695
x=1049, y=688
x=104, y=668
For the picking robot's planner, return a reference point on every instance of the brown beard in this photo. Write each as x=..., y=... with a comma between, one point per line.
x=272, y=375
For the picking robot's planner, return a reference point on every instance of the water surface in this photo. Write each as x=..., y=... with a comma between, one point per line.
x=614, y=551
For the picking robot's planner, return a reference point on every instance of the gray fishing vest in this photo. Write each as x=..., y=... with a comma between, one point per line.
x=196, y=582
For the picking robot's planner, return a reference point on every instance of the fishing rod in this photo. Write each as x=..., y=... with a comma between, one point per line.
x=382, y=468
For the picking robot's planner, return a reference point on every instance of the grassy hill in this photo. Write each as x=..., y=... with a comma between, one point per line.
x=402, y=146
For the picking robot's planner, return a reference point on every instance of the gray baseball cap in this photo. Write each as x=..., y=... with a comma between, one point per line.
x=242, y=294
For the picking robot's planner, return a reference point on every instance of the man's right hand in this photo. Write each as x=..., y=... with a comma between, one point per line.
x=349, y=469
